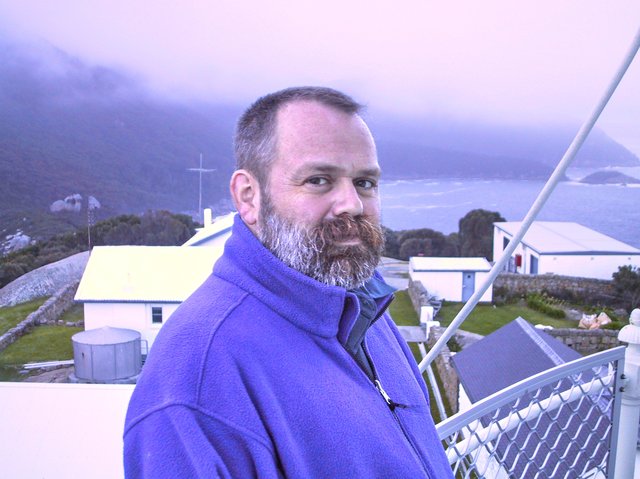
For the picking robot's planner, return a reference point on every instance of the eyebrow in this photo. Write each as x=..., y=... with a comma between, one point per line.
x=327, y=168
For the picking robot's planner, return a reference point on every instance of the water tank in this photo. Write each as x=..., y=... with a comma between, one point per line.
x=107, y=355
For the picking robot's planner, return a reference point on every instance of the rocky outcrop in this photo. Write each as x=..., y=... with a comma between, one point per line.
x=44, y=281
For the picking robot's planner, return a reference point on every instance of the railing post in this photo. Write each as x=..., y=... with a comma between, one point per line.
x=630, y=406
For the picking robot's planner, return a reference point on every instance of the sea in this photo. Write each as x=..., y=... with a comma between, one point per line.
x=439, y=204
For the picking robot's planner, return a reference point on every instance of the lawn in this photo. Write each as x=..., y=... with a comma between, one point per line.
x=402, y=311
x=485, y=318
x=12, y=315
x=43, y=343
x=74, y=314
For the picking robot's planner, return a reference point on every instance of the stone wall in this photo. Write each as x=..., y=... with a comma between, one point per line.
x=580, y=290
x=442, y=363
x=586, y=341
x=48, y=313
x=445, y=369
x=418, y=295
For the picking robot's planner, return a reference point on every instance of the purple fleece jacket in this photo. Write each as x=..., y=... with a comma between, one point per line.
x=249, y=378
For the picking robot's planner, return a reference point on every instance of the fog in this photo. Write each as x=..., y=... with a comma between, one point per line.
x=545, y=62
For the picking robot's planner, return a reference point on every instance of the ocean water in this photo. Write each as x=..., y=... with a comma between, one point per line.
x=439, y=204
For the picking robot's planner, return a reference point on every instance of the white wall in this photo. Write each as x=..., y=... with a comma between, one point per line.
x=136, y=316
x=448, y=284
x=585, y=266
x=597, y=266
x=52, y=431
x=481, y=277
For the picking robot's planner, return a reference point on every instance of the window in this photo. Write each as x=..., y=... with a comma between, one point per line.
x=505, y=243
x=156, y=314
x=533, y=265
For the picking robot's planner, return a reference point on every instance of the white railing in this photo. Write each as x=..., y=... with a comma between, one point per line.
x=559, y=423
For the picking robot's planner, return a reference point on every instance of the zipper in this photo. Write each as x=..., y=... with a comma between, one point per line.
x=392, y=407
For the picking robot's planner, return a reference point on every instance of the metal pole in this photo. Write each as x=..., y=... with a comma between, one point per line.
x=627, y=440
x=200, y=188
x=434, y=385
x=553, y=180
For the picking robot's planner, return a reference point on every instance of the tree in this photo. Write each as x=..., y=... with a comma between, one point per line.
x=426, y=242
x=626, y=282
x=416, y=247
x=391, y=244
x=476, y=233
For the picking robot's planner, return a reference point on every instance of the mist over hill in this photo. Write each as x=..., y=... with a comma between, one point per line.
x=68, y=128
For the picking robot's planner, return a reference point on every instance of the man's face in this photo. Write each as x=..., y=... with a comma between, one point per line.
x=320, y=211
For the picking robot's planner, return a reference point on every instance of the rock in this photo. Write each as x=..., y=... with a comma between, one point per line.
x=44, y=281
x=587, y=321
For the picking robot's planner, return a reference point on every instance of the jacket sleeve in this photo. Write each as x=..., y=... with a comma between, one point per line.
x=181, y=441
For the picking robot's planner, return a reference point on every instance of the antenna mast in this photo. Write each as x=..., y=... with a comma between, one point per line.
x=200, y=171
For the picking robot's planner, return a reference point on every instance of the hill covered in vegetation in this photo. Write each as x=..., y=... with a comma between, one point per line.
x=154, y=228
x=70, y=131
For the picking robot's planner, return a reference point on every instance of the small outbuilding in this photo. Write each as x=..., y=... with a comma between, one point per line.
x=451, y=279
x=139, y=287
x=563, y=248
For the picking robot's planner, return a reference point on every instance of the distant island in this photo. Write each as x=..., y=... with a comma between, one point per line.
x=609, y=178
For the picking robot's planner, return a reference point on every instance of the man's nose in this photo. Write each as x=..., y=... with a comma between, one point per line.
x=347, y=200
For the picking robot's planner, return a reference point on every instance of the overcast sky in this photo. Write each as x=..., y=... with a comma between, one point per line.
x=502, y=61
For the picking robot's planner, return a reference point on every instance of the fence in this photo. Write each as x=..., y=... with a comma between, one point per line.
x=560, y=423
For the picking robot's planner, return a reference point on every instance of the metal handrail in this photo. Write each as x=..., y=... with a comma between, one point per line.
x=467, y=432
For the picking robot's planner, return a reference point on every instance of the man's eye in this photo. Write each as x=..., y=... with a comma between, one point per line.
x=366, y=184
x=318, y=180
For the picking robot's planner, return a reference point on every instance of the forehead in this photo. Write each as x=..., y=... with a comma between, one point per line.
x=311, y=131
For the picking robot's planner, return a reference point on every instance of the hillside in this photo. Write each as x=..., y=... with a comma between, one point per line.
x=516, y=145
x=69, y=131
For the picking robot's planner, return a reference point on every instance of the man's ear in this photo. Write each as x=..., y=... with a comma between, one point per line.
x=245, y=193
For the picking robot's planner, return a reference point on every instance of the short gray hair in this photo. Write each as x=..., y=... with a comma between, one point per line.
x=255, y=140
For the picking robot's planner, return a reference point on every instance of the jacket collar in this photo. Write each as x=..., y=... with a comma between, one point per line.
x=317, y=308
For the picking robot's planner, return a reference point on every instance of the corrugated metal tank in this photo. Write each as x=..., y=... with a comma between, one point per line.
x=107, y=355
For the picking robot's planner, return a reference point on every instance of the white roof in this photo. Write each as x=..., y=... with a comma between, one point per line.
x=432, y=263
x=220, y=228
x=560, y=237
x=145, y=273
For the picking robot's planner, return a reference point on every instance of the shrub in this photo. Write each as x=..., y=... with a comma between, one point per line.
x=626, y=282
x=541, y=303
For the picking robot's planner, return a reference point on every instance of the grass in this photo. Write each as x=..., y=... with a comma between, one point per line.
x=43, y=343
x=12, y=315
x=485, y=318
x=74, y=314
x=402, y=311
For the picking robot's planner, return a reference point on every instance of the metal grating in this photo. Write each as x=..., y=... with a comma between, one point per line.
x=560, y=423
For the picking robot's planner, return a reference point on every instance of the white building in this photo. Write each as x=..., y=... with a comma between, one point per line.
x=214, y=232
x=139, y=287
x=563, y=248
x=452, y=279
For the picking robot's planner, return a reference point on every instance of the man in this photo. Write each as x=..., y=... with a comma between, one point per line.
x=284, y=362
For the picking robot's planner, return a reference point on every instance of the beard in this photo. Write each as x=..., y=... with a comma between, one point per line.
x=316, y=250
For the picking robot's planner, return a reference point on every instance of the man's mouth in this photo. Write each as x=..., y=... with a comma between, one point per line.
x=352, y=241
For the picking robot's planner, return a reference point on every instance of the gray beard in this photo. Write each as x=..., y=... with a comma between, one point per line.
x=306, y=251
